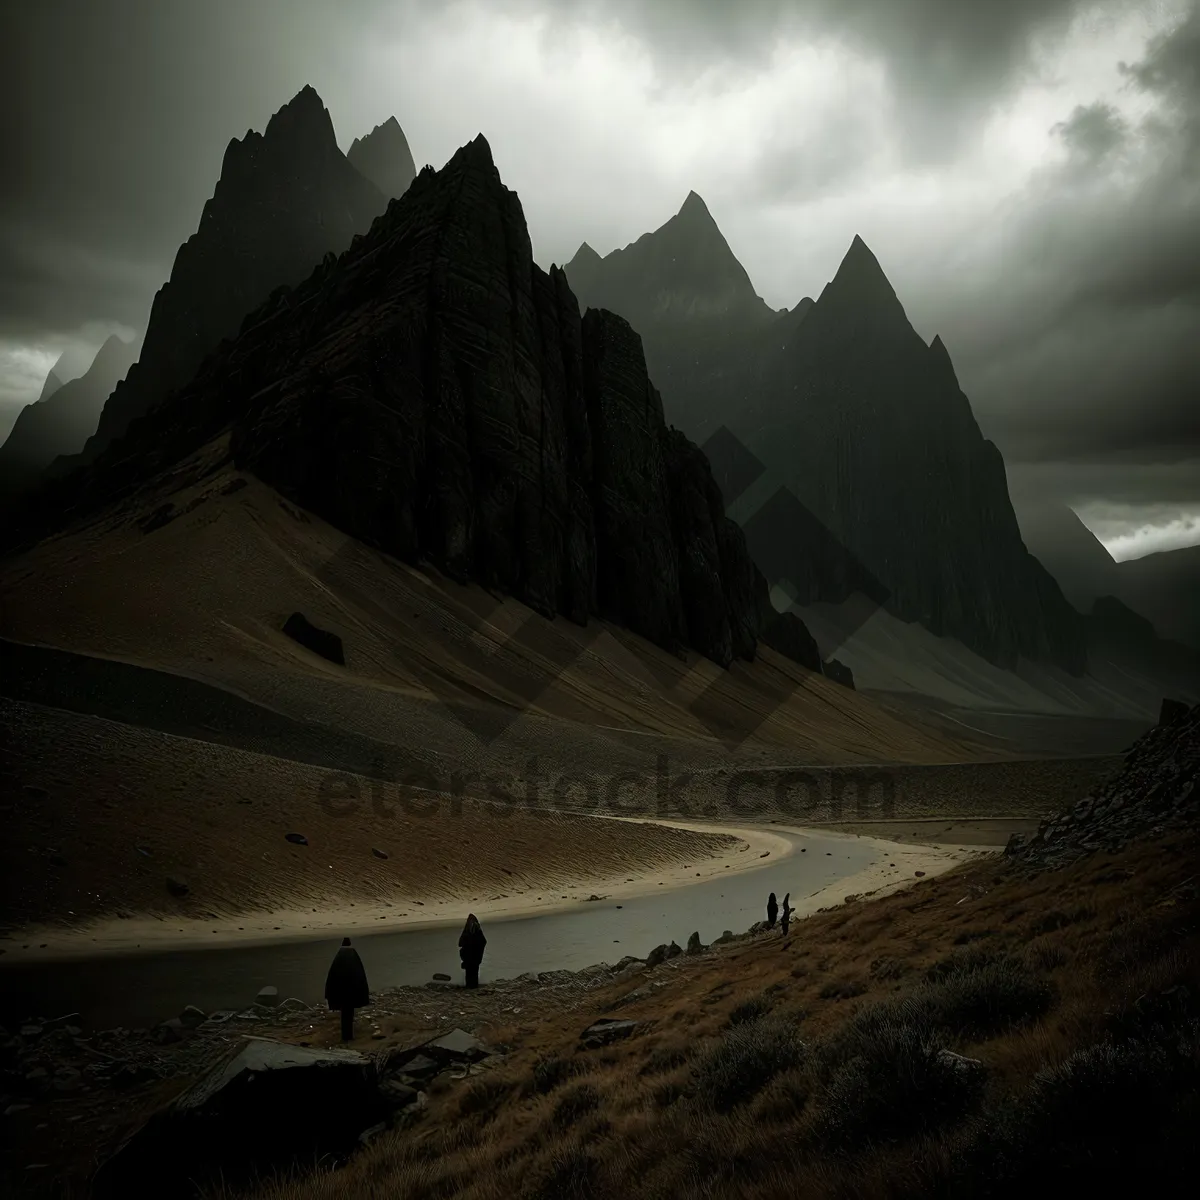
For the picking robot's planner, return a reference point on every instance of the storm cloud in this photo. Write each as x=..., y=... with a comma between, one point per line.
x=1025, y=171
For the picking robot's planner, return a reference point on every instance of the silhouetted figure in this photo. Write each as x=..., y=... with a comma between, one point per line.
x=772, y=910
x=346, y=986
x=470, y=949
x=786, y=918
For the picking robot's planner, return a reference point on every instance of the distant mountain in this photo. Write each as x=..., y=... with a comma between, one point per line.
x=286, y=198
x=1067, y=548
x=683, y=289
x=435, y=394
x=1165, y=588
x=64, y=418
x=872, y=463
x=51, y=385
x=384, y=158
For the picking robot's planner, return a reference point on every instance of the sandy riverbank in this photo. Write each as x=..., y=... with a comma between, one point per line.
x=894, y=865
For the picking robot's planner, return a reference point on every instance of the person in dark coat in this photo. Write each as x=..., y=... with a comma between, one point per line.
x=786, y=918
x=470, y=949
x=346, y=986
x=772, y=910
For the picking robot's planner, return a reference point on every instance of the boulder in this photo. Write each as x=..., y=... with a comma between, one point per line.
x=297, y=839
x=674, y=950
x=657, y=956
x=694, y=946
x=604, y=1032
x=191, y=1017
x=267, y=1106
x=267, y=996
x=839, y=673
x=319, y=641
x=176, y=886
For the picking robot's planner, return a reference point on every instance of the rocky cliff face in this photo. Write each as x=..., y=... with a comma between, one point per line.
x=383, y=157
x=867, y=440
x=285, y=198
x=61, y=421
x=436, y=394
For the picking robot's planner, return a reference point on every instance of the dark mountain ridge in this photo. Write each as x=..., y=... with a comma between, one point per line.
x=285, y=198
x=383, y=157
x=437, y=395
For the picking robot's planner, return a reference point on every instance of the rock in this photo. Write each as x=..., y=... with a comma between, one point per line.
x=192, y=1017
x=397, y=1094
x=421, y=1067
x=839, y=673
x=267, y=996
x=176, y=886
x=657, y=956
x=961, y=1064
x=297, y=839
x=628, y=960
x=694, y=946
x=604, y=1032
x=170, y=1030
x=265, y=1106
x=319, y=641
x=674, y=950
x=441, y=977
x=378, y=853
x=1171, y=711
x=31, y=1031
x=456, y=1045
x=726, y=936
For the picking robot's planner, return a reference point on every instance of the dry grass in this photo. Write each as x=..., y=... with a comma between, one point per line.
x=753, y=1077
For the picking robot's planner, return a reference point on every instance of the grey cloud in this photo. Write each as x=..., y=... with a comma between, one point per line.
x=1093, y=131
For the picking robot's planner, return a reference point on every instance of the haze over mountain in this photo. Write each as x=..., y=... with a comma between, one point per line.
x=285, y=198
x=64, y=418
x=383, y=157
x=850, y=412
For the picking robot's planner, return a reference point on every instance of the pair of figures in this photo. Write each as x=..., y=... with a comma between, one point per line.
x=346, y=984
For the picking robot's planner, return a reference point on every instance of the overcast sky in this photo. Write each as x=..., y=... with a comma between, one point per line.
x=1027, y=172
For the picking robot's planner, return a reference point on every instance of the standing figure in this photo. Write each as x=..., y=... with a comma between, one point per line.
x=346, y=986
x=786, y=919
x=470, y=949
x=772, y=910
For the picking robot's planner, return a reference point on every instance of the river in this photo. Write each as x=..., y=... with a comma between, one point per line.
x=140, y=989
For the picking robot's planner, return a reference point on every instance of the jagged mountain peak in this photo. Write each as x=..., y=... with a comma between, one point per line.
x=383, y=156
x=860, y=272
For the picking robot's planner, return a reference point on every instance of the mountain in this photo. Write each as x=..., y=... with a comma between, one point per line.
x=683, y=289
x=863, y=440
x=436, y=395
x=1069, y=550
x=1165, y=587
x=64, y=418
x=285, y=198
x=384, y=158
x=51, y=384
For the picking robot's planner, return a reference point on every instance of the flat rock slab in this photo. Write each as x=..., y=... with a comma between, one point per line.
x=610, y=1029
x=267, y=1105
x=457, y=1044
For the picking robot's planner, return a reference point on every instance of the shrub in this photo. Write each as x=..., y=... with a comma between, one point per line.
x=749, y=1010
x=980, y=993
x=1114, y=1116
x=896, y=1085
x=662, y=1059
x=576, y=1102
x=484, y=1096
x=550, y=1073
x=744, y=1061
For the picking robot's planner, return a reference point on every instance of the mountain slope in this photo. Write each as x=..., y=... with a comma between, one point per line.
x=64, y=418
x=50, y=386
x=1165, y=588
x=383, y=157
x=285, y=198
